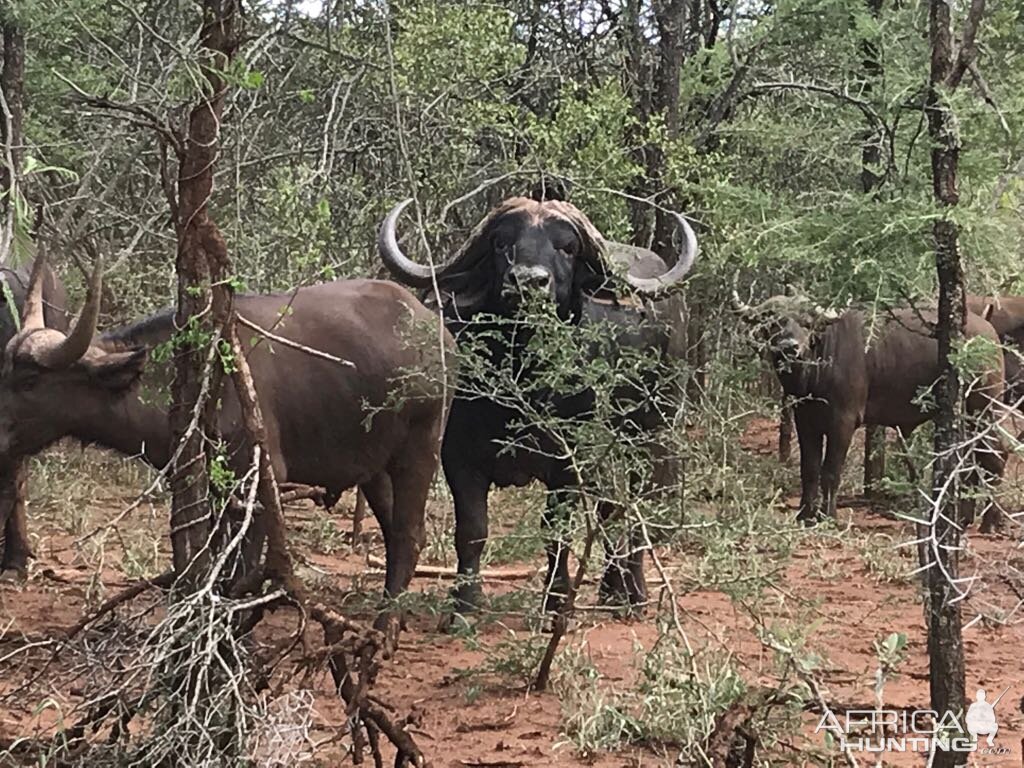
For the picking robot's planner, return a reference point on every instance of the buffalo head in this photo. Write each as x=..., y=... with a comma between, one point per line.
x=785, y=325
x=547, y=248
x=51, y=380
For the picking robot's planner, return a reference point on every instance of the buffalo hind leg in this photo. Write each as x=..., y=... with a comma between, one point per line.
x=838, y=444
x=623, y=582
x=469, y=492
x=17, y=551
x=811, y=438
x=380, y=498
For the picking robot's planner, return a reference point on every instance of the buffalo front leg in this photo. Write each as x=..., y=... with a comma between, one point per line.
x=811, y=438
x=17, y=551
x=990, y=456
x=623, y=581
x=469, y=492
x=838, y=444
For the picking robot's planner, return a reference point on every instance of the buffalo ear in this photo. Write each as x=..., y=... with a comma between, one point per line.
x=118, y=371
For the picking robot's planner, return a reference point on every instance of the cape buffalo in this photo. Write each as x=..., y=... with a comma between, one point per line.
x=546, y=250
x=840, y=380
x=1006, y=313
x=371, y=417
x=17, y=550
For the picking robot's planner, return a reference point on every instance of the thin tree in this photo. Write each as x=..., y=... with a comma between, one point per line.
x=942, y=606
x=871, y=180
x=202, y=261
x=12, y=89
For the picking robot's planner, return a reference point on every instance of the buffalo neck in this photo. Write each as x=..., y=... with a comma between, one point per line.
x=128, y=425
x=131, y=423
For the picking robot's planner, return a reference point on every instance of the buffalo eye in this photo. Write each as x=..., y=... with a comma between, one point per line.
x=569, y=249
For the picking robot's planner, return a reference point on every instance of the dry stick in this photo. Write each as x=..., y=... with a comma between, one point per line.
x=451, y=573
x=300, y=492
x=293, y=344
x=162, y=581
x=561, y=623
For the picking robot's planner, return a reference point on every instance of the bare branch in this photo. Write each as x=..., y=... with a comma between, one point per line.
x=968, y=45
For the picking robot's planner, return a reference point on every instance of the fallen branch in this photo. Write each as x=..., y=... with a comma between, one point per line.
x=488, y=574
x=291, y=492
x=162, y=581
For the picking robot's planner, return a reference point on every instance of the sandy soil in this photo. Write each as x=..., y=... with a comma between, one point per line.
x=491, y=722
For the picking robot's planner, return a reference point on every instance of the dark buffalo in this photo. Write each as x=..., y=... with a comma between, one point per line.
x=839, y=381
x=546, y=249
x=17, y=550
x=373, y=420
x=1006, y=313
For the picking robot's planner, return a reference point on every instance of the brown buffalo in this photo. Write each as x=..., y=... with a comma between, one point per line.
x=840, y=381
x=1006, y=313
x=373, y=420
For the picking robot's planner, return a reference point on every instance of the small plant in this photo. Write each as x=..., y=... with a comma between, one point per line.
x=324, y=535
x=884, y=559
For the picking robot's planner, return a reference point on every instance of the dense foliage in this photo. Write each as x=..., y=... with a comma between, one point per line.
x=338, y=114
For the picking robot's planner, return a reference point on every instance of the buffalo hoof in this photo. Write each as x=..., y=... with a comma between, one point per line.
x=547, y=623
x=13, y=575
x=622, y=589
x=14, y=566
x=992, y=521
x=454, y=624
x=468, y=596
x=555, y=598
x=810, y=519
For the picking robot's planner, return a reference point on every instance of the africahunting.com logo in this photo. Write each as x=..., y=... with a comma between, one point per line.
x=917, y=730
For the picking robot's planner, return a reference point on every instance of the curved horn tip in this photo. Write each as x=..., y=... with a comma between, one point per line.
x=404, y=269
x=79, y=339
x=32, y=310
x=656, y=285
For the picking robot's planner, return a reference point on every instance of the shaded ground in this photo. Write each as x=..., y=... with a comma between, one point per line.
x=844, y=588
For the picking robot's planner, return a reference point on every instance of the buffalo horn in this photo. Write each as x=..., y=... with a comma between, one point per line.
x=32, y=310
x=404, y=269
x=742, y=309
x=76, y=343
x=653, y=285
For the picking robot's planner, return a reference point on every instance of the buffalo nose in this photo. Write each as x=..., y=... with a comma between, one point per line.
x=524, y=277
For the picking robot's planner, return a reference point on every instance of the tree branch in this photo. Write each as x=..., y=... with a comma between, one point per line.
x=968, y=45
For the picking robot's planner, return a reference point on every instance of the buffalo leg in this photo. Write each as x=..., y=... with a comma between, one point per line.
x=991, y=456
x=839, y=436
x=555, y=522
x=17, y=550
x=811, y=438
x=469, y=491
x=623, y=582
x=393, y=503
x=380, y=496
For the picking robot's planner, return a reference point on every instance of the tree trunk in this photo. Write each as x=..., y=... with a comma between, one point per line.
x=12, y=80
x=201, y=260
x=942, y=610
x=871, y=153
x=13, y=524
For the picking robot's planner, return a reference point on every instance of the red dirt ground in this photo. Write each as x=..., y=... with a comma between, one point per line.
x=487, y=723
